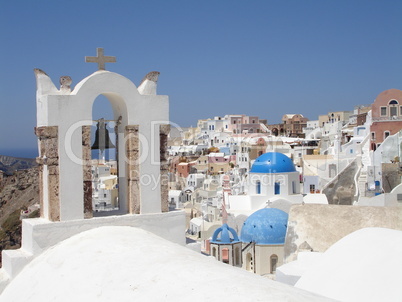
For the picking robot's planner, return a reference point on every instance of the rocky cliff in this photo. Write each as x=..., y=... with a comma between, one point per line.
x=10, y=164
x=17, y=192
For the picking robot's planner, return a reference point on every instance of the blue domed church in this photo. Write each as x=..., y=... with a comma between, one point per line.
x=226, y=246
x=260, y=216
x=260, y=246
x=272, y=182
x=263, y=238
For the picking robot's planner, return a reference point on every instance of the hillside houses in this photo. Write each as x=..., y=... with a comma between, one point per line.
x=339, y=157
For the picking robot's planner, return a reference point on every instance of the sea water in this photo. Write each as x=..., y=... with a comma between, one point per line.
x=21, y=153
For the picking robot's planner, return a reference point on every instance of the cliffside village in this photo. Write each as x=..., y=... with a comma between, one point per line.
x=228, y=168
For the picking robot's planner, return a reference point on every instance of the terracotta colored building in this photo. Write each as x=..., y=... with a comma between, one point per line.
x=276, y=129
x=386, y=115
x=293, y=124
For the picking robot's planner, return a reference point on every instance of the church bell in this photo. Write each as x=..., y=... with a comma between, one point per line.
x=102, y=139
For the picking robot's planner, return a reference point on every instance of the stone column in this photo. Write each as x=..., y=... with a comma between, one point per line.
x=164, y=168
x=49, y=155
x=133, y=169
x=40, y=181
x=86, y=166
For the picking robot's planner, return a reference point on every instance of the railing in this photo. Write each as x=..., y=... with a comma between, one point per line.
x=387, y=118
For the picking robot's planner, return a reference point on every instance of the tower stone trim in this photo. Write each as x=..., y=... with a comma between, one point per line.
x=164, y=166
x=86, y=169
x=132, y=168
x=48, y=161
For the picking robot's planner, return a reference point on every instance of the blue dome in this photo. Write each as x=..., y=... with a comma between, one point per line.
x=224, y=231
x=273, y=162
x=266, y=226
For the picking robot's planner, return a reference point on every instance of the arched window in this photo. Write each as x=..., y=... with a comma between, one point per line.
x=274, y=262
x=237, y=257
x=393, y=108
x=225, y=255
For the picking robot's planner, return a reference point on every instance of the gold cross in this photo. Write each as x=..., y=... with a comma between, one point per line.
x=100, y=59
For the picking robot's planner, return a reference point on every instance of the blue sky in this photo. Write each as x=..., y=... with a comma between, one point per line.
x=264, y=58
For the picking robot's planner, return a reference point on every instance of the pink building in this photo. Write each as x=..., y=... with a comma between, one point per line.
x=243, y=124
x=386, y=115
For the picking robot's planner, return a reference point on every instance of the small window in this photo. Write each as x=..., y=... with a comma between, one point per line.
x=258, y=187
x=386, y=134
x=383, y=111
x=372, y=135
x=277, y=188
x=393, y=111
x=393, y=102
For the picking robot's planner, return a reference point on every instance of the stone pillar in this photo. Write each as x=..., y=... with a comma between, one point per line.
x=49, y=156
x=86, y=166
x=164, y=168
x=133, y=169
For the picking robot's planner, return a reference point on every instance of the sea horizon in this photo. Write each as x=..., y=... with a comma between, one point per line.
x=20, y=152
x=33, y=153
